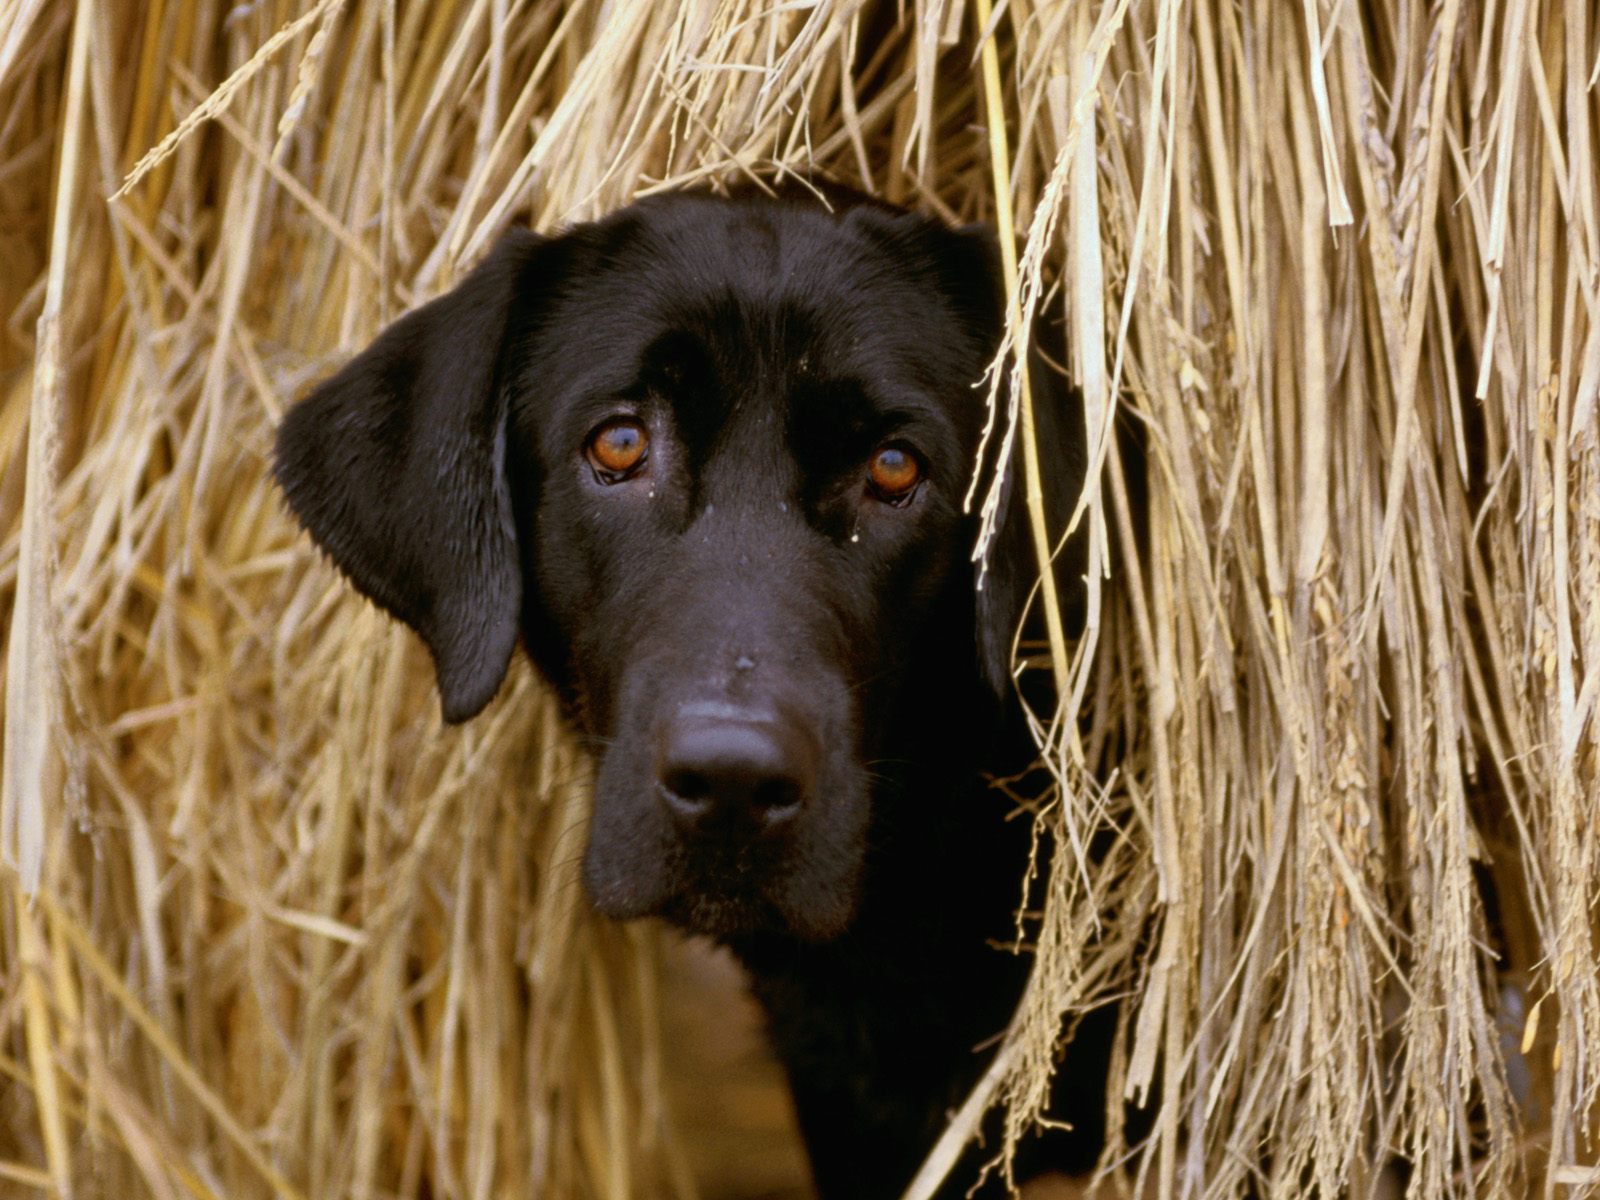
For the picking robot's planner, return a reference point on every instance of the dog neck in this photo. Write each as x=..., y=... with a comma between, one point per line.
x=884, y=1029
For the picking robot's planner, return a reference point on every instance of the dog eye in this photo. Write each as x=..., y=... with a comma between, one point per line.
x=618, y=449
x=893, y=473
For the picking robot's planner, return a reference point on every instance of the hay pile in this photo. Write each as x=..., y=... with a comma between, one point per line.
x=1340, y=264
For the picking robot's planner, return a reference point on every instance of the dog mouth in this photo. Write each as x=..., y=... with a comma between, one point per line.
x=721, y=909
x=723, y=891
x=736, y=890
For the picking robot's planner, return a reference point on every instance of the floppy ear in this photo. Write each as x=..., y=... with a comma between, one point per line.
x=396, y=467
x=1010, y=569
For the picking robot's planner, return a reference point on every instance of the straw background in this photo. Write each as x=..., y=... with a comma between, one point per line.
x=1338, y=262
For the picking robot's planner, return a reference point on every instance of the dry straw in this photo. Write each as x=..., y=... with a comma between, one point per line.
x=1327, y=776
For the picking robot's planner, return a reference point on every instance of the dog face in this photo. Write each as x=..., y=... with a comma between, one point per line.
x=708, y=458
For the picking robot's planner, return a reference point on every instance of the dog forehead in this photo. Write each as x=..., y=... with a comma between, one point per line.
x=749, y=244
x=753, y=267
x=756, y=290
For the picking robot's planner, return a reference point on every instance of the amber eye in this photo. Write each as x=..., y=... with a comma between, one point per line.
x=894, y=473
x=618, y=448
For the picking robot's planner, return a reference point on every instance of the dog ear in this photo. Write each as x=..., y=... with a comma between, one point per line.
x=396, y=467
x=1009, y=570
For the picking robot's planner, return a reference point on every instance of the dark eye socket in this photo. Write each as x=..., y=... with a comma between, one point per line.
x=619, y=449
x=894, y=472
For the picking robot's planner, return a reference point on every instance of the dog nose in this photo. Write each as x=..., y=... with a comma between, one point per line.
x=734, y=772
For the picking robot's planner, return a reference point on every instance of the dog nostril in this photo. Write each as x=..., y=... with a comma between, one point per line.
x=773, y=796
x=687, y=785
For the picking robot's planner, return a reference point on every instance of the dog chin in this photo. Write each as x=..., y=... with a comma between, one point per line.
x=727, y=917
x=721, y=917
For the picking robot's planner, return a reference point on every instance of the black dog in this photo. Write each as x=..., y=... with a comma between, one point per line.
x=707, y=457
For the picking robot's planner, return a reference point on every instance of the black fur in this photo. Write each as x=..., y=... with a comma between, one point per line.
x=768, y=347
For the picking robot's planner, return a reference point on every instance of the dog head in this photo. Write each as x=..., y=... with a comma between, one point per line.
x=707, y=457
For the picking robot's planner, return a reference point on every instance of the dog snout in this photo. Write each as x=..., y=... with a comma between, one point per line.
x=732, y=771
